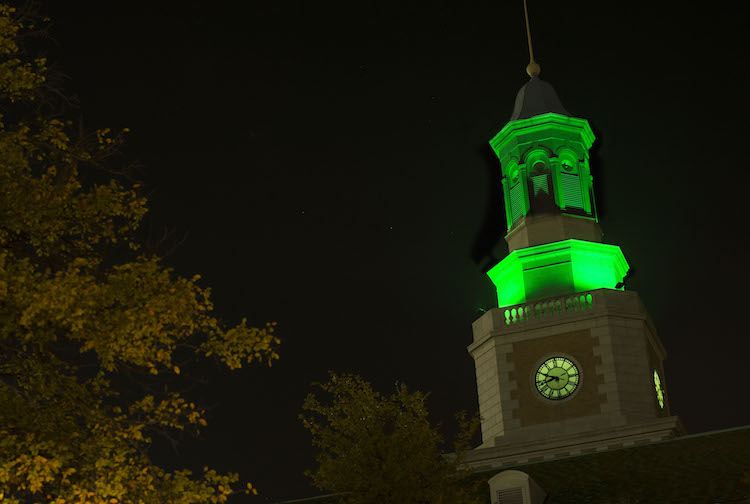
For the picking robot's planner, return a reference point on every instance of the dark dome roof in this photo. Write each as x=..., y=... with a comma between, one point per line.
x=536, y=97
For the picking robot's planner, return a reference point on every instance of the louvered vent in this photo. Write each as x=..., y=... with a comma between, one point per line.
x=515, y=487
x=516, y=201
x=571, y=189
x=540, y=184
x=510, y=496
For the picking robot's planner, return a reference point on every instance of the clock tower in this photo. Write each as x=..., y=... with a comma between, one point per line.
x=570, y=361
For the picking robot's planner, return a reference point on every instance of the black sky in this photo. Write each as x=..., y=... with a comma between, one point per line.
x=330, y=163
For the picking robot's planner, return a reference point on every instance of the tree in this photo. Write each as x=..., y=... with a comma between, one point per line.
x=94, y=331
x=375, y=448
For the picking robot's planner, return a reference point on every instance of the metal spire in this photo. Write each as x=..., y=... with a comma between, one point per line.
x=533, y=67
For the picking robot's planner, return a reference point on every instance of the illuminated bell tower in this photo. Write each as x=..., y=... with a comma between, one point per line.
x=569, y=362
x=553, y=235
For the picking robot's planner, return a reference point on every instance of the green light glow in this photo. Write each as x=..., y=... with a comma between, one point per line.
x=556, y=269
x=659, y=389
x=555, y=143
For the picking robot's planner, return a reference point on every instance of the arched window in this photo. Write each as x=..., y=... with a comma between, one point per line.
x=541, y=198
x=540, y=178
x=515, y=193
x=570, y=182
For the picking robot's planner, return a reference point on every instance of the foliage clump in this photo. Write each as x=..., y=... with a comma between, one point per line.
x=93, y=330
x=376, y=448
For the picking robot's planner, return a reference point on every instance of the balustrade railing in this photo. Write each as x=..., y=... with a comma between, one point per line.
x=549, y=308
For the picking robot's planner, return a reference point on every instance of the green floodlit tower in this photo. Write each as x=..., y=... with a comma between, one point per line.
x=553, y=232
x=569, y=363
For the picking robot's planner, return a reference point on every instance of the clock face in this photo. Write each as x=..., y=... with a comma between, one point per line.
x=557, y=378
x=659, y=389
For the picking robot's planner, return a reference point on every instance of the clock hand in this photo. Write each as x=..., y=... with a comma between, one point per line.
x=548, y=379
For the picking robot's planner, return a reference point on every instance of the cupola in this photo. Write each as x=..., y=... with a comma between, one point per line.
x=553, y=233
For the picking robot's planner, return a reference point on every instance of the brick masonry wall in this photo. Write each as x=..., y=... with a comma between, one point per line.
x=614, y=346
x=526, y=355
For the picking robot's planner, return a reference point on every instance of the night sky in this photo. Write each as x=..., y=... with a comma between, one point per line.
x=331, y=166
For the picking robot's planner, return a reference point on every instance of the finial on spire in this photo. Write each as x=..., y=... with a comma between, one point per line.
x=533, y=67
